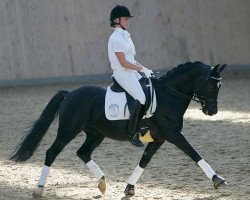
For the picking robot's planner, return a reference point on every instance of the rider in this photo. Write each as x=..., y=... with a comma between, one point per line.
x=121, y=52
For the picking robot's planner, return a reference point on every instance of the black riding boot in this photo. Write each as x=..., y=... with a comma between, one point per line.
x=135, y=118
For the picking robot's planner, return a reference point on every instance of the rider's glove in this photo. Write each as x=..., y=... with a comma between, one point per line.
x=148, y=72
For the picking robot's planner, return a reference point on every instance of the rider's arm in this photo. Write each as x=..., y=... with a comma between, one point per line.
x=139, y=64
x=126, y=64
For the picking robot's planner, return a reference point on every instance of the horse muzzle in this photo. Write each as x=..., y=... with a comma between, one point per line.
x=210, y=110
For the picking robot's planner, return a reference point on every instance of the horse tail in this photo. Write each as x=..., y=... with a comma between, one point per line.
x=34, y=136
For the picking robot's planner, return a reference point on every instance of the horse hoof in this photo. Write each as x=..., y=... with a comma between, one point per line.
x=38, y=192
x=219, y=181
x=102, y=185
x=130, y=190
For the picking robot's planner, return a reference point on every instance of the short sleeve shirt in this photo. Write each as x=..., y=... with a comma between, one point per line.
x=120, y=41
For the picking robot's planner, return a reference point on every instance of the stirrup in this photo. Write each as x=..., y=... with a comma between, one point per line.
x=143, y=130
x=135, y=140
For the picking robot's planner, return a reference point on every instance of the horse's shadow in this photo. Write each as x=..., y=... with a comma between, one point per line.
x=126, y=197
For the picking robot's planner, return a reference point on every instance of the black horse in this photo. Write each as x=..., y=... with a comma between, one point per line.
x=83, y=110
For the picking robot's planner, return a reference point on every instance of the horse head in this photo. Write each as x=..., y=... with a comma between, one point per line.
x=208, y=94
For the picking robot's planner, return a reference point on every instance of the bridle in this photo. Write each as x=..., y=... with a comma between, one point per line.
x=202, y=99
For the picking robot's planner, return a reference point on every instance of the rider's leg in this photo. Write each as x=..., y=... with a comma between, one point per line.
x=129, y=81
x=133, y=127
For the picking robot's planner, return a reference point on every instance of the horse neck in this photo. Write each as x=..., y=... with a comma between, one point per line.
x=185, y=80
x=181, y=83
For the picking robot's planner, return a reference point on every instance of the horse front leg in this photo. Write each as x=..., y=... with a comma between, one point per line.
x=146, y=157
x=180, y=141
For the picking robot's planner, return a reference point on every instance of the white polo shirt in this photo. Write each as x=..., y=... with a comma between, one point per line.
x=120, y=41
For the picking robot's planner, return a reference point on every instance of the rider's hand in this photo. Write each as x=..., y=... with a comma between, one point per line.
x=148, y=72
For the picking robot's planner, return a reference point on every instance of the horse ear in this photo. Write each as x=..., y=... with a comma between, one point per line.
x=216, y=68
x=222, y=67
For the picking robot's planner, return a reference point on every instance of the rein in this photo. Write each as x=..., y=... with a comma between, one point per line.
x=199, y=99
x=178, y=93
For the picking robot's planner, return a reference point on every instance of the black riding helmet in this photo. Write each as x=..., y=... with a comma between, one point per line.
x=118, y=12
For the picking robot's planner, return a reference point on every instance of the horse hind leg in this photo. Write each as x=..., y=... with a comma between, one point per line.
x=62, y=139
x=84, y=153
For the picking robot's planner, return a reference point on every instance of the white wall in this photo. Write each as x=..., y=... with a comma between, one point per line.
x=55, y=38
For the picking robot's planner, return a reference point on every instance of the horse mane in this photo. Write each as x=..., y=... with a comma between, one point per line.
x=181, y=68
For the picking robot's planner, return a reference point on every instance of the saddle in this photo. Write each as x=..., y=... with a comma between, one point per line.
x=145, y=84
x=118, y=103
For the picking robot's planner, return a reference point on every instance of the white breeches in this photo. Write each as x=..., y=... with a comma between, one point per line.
x=129, y=81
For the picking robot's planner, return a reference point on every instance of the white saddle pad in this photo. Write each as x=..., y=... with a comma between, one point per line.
x=116, y=107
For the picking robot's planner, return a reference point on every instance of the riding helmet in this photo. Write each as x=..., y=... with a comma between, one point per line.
x=119, y=11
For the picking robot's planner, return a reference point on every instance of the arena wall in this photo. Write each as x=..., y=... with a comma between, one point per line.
x=60, y=40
